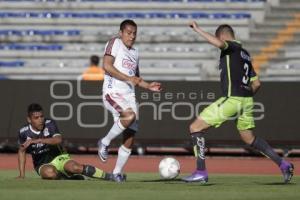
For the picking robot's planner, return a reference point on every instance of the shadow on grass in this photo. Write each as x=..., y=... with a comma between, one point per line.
x=164, y=180
x=177, y=181
x=276, y=183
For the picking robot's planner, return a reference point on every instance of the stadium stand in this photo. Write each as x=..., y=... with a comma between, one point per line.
x=55, y=37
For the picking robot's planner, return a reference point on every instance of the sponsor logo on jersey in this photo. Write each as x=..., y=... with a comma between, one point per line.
x=129, y=64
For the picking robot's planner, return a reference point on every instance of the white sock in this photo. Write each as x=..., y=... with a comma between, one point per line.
x=123, y=155
x=115, y=130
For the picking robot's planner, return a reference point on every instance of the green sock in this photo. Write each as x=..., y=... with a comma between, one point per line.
x=93, y=172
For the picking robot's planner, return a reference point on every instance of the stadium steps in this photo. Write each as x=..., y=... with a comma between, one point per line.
x=152, y=32
x=147, y=37
x=38, y=54
x=42, y=73
x=116, y=22
x=287, y=31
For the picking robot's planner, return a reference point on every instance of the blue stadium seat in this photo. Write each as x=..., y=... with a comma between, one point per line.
x=115, y=15
x=198, y=15
x=2, y=77
x=179, y=15
x=137, y=15
x=241, y=15
x=207, y=0
x=127, y=15
x=221, y=15
x=39, y=32
x=157, y=15
x=31, y=47
x=12, y=63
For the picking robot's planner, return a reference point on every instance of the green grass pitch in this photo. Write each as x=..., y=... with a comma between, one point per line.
x=142, y=186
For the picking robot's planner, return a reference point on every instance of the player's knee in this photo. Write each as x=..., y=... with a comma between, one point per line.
x=247, y=136
x=198, y=125
x=74, y=168
x=49, y=173
x=77, y=169
x=128, y=116
x=194, y=128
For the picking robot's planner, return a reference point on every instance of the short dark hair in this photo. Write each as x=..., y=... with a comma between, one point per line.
x=34, y=107
x=127, y=22
x=94, y=60
x=224, y=28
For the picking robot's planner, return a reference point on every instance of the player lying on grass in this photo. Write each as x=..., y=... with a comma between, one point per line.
x=42, y=139
x=239, y=84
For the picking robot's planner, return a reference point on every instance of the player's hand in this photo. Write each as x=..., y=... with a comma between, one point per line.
x=26, y=143
x=135, y=80
x=194, y=25
x=155, y=87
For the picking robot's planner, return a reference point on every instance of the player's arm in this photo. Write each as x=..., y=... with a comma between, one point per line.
x=153, y=86
x=255, y=85
x=108, y=66
x=209, y=37
x=56, y=139
x=21, y=161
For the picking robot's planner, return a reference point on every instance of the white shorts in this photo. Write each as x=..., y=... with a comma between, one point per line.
x=117, y=103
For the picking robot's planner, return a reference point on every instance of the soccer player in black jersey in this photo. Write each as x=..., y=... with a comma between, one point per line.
x=239, y=83
x=42, y=139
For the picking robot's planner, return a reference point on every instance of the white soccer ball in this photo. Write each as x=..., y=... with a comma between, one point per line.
x=169, y=168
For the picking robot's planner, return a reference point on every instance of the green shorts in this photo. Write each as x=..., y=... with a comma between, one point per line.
x=58, y=162
x=239, y=109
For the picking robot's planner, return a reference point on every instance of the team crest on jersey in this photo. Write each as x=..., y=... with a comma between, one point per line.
x=46, y=132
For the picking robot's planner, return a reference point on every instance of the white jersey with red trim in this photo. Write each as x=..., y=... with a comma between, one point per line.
x=126, y=61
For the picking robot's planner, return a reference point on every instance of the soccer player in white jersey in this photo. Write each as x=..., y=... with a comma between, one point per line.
x=121, y=65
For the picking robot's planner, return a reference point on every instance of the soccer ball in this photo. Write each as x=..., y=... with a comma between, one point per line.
x=169, y=168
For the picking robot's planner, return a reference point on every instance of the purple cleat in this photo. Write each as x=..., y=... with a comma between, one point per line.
x=119, y=178
x=102, y=151
x=197, y=176
x=287, y=170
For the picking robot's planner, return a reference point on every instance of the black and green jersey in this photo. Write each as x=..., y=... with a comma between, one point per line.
x=236, y=70
x=41, y=153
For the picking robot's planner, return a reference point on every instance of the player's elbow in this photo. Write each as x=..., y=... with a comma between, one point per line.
x=255, y=86
x=107, y=68
x=108, y=63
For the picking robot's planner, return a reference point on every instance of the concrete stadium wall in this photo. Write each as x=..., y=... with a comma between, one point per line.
x=163, y=119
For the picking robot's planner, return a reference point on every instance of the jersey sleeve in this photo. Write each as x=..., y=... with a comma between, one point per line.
x=21, y=137
x=229, y=46
x=52, y=128
x=253, y=75
x=112, y=47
